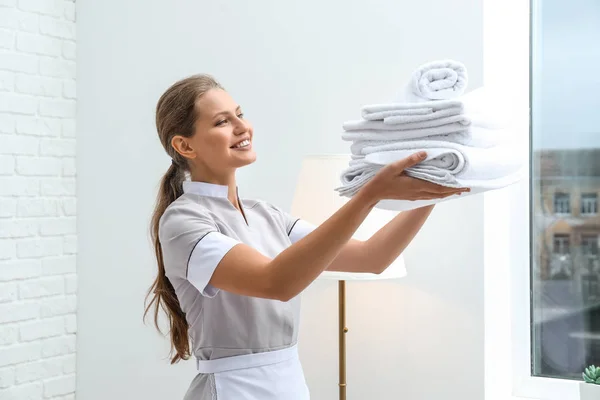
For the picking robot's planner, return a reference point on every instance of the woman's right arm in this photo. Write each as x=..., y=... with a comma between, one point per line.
x=245, y=271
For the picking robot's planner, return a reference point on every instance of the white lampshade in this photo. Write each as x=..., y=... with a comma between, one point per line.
x=315, y=200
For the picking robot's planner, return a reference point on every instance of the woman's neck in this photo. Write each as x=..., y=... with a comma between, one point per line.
x=225, y=180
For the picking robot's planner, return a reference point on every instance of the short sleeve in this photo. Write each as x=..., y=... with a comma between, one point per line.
x=295, y=228
x=300, y=229
x=192, y=246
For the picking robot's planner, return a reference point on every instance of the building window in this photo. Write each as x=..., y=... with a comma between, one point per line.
x=562, y=203
x=561, y=244
x=589, y=203
x=565, y=154
x=589, y=244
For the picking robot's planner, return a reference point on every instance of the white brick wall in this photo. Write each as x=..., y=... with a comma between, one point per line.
x=38, y=241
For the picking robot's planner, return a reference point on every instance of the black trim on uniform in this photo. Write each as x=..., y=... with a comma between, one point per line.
x=187, y=266
x=293, y=225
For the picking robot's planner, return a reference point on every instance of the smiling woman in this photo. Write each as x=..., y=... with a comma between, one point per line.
x=230, y=270
x=226, y=142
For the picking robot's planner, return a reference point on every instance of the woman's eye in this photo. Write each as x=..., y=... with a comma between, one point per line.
x=223, y=121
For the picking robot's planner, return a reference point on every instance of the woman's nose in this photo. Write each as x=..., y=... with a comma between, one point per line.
x=240, y=126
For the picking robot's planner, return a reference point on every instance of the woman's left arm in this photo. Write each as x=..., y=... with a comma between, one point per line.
x=380, y=250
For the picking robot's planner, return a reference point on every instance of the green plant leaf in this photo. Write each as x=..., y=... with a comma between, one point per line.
x=597, y=382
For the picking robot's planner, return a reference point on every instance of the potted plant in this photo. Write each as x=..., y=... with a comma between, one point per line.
x=589, y=389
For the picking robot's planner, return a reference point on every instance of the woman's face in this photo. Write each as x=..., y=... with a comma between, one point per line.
x=222, y=140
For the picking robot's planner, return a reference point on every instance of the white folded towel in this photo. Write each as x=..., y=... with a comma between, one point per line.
x=466, y=146
x=447, y=164
x=452, y=164
x=475, y=136
x=437, y=80
x=406, y=125
x=410, y=111
x=410, y=114
x=477, y=111
x=396, y=135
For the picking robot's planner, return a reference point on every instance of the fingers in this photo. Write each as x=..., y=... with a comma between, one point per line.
x=437, y=195
x=445, y=190
x=409, y=161
x=430, y=187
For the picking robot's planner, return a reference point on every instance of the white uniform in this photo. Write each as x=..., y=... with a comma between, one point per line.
x=245, y=347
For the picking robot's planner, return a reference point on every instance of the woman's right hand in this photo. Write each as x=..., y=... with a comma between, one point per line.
x=391, y=183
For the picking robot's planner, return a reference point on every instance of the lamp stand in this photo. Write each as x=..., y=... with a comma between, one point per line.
x=342, y=337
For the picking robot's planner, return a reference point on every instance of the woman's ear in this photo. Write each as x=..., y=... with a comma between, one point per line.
x=182, y=146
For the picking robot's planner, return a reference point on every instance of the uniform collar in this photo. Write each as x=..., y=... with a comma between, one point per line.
x=205, y=189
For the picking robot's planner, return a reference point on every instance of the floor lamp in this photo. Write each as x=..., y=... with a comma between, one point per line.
x=314, y=201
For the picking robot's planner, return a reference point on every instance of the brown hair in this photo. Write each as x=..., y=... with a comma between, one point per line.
x=176, y=114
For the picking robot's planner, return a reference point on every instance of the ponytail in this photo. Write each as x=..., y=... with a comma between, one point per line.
x=176, y=115
x=162, y=291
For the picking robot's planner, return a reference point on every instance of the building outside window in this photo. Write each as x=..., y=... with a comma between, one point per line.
x=565, y=180
x=589, y=203
x=589, y=244
x=562, y=203
x=561, y=244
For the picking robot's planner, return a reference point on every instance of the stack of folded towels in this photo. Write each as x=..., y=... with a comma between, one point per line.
x=466, y=142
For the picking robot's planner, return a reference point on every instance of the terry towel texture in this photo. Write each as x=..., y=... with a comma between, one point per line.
x=407, y=112
x=448, y=164
x=466, y=142
x=437, y=80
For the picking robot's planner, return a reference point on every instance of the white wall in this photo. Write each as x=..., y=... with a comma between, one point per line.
x=411, y=329
x=37, y=200
x=299, y=70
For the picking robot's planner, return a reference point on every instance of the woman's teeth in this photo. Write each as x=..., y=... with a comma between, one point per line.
x=242, y=144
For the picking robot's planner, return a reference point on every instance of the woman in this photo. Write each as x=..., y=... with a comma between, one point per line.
x=230, y=270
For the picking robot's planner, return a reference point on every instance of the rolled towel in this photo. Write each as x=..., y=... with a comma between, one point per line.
x=437, y=80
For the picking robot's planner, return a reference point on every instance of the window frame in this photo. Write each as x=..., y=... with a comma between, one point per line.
x=507, y=217
x=568, y=201
x=567, y=238
x=585, y=237
x=583, y=199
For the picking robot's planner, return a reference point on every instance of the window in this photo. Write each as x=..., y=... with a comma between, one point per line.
x=537, y=343
x=562, y=203
x=561, y=244
x=565, y=156
x=589, y=244
x=589, y=203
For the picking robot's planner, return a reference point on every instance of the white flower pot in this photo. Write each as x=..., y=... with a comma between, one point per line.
x=589, y=391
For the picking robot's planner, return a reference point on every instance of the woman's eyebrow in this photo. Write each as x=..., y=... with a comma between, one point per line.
x=238, y=108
